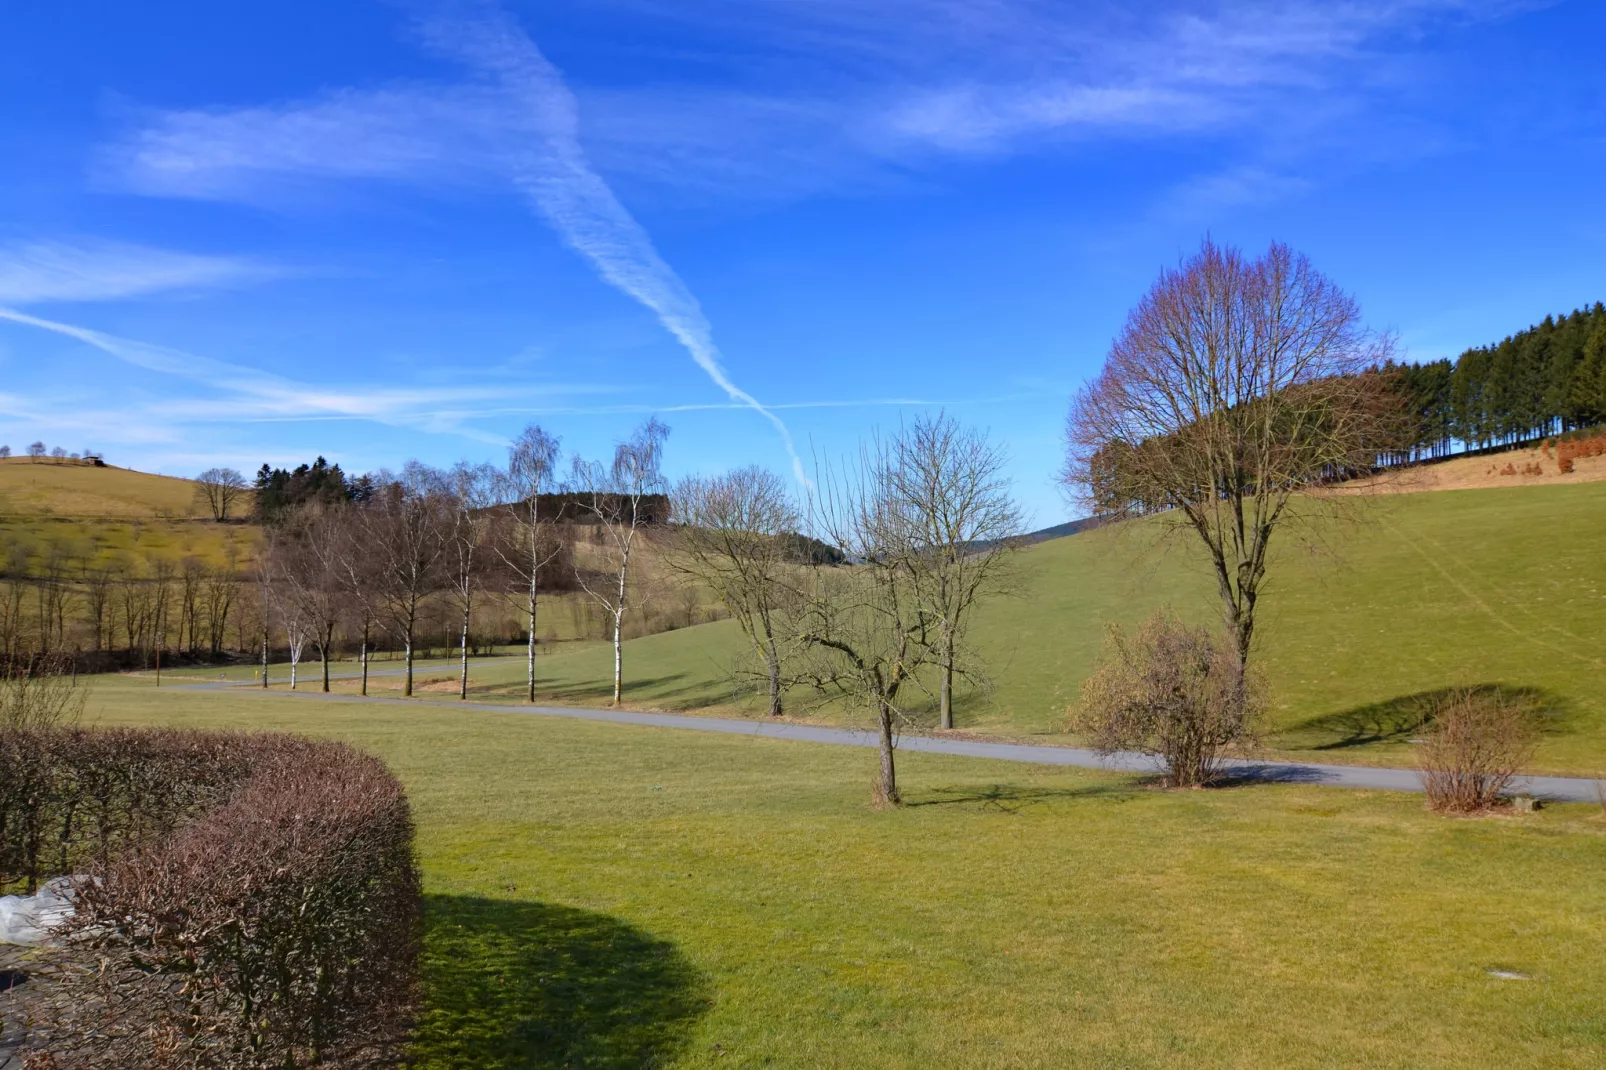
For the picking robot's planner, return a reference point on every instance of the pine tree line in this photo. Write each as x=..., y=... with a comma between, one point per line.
x=1546, y=380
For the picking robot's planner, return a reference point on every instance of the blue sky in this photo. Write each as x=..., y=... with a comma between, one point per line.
x=247, y=232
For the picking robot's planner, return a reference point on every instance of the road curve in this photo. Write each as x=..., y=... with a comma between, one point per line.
x=1552, y=788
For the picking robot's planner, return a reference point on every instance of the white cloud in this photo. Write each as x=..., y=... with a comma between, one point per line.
x=819, y=96
x=551, y=167
x=247, y=395
x=38, y=272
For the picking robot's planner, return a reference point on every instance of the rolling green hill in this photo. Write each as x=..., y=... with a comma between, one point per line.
x=1502, y=587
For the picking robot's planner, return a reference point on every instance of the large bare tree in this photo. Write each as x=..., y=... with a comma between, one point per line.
x=619, y=498
x=531, y=470
x=949, y=482
x=1236, y=389
x=733, y=536
x=220, y=489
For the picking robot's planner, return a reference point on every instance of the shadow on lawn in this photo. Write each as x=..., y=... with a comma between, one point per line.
x=512, y=985
x=654, y=687
x=1012, y=800
x=1398, y=719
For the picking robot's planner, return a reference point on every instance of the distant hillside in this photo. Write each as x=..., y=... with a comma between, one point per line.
x=1500, y=588
x=47, y=487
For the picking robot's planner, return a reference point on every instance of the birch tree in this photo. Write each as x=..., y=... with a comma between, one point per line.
x=309, y=570
x=473, y=491
x=732, y=536
x=949, y=484
x=403, y=530
x=619, y=498
x=531, y=470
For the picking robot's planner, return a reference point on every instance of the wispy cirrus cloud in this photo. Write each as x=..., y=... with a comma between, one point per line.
x=831, y=94
x=517, y=121
x=241, y=394
x=37, y=272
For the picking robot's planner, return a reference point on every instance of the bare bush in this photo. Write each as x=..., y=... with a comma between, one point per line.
x=1477, y=742
x=1172, y=691
x=39, y=693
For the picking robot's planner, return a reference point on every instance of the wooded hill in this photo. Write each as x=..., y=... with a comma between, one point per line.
x=1543, y=381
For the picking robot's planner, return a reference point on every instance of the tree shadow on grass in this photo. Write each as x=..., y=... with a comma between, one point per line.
x=1011, y=799
x=1398, y=719
x=655, y=687
x=512, y=985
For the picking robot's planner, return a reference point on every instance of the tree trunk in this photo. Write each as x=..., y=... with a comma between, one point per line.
x=889, y=775
x=529, y=670
x=618, y=657
x=325, y=653
x=407, y=689
x=365, y=660
x=947, y=671
x=295, y=660
x=462, y=675
x=773, y=663
x=264, y=661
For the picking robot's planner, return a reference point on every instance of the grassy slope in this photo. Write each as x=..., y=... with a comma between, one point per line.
x=1427, y=591
x=612, y=896
x=75, y=489
x=106, y=513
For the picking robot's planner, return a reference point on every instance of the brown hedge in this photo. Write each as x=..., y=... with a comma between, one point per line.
x=251, y=901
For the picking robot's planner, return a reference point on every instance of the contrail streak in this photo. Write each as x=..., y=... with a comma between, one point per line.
x=555, y=174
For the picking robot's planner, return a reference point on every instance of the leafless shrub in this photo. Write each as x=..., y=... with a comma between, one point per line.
x=39, y=692
x=1171, y=691
x=1478, y=741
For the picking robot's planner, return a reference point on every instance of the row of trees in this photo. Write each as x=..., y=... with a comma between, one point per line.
x=36, y=451
x=1548, y=379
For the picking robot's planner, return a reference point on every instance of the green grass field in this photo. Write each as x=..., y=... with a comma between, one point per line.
x=1422, y=593
x=613, y=896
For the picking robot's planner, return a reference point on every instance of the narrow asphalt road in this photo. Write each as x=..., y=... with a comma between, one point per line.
x=1553, y=788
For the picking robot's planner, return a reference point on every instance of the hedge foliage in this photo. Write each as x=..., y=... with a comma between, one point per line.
x=242, y=901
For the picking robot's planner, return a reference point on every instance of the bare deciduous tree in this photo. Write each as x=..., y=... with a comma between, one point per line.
x=732, y=537
x=403, y=530
x=472, y=491
x=220, y=489
x=950, y=483
x=531, y=468
x=307, y=564
x=867, y=622
x=1236, y=387
x=617, y=498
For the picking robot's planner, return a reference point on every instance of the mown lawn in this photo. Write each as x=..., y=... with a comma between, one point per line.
x=1422, y=593
x=619, y=896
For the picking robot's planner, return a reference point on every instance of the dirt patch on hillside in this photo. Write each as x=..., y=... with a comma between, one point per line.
x=1514, y=468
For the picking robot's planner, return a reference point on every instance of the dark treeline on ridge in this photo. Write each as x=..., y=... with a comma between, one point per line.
x=1546, y=380
x=279, y=491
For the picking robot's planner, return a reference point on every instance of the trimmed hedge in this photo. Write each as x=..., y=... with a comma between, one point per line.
x=249, y=901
